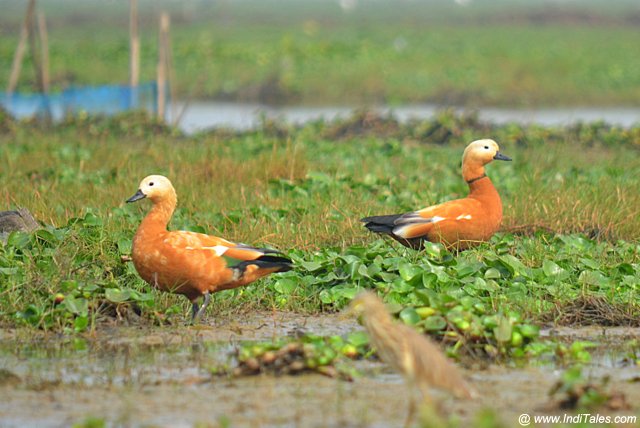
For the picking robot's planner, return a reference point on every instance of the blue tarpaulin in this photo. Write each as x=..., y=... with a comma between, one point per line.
x=105, y=99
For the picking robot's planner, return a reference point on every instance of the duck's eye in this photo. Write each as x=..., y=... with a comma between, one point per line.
x=151, y=184
x=486, y=147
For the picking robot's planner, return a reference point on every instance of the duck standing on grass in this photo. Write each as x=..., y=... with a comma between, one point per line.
x=189, y=263
x=460, y=223
x=417, y=358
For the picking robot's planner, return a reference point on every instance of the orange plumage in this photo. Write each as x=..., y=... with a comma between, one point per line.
x=189, y=263
x=460, y=223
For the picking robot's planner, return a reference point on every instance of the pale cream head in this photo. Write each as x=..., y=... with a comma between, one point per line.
x=477, y=155
x=156, y=188
x=481, y=151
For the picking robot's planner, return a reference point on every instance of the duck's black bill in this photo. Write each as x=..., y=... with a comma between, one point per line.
x=139, y=195
x=500, y=156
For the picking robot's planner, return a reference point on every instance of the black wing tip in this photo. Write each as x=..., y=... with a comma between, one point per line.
x=281, y=264
x=379, y=228
x=262, y=250
x=274, y=259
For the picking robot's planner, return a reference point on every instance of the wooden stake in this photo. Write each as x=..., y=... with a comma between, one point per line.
x=44, y=46
x=33, y=47
x=134, y=41
x=162, y=64
x=170, y=71
x=22, y=44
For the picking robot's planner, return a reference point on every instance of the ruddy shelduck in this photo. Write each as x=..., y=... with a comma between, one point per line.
x=189, y=263
x=460, y=223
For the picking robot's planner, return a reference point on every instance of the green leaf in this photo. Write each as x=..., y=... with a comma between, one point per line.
x=625, y=269
x=400, y=286
x=285, y=286
x=590, y=263
x=8, y=271
x=434, y=323
x=492, y=273
x=116, y=295
x=77, y=305
x=592, y=277
x=503, y=331
x=410, y=316
x=408, y=271
x=124, y=246
x=45, y=236
x=91, y=219
x=429, y=279
x=80, y=323
x=529, y=331
x=466, y=269
x=427, y=297
x=141, y=297
x=311, y=266
x=551, y=269
x=358, y=338
x=326, y=297
x=514, y=265
x=18, y=240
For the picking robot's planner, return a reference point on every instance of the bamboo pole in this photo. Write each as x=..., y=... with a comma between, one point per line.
x=20, y=49
x=43, y=61
x=162, y=64
x=44, y=46
x=134, y=42
x=33, y=47
x=170, y=72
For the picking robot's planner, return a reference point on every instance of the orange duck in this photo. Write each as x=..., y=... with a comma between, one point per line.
x=460, y=223
x=189, y=263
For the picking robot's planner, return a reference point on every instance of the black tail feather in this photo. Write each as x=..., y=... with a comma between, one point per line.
x=381, y=223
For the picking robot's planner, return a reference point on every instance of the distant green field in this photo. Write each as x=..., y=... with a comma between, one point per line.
x=312, y=52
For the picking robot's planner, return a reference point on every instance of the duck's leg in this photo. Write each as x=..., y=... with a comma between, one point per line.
x=196, y=310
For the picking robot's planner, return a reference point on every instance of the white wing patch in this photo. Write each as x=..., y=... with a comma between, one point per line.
x=218, y=249
x=464, y=217
x=403, y=230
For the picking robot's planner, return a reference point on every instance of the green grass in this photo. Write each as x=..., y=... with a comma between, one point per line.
x=490, y=53
x=570, y=234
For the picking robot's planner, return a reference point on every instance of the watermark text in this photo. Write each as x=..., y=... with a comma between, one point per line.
x=526, y=419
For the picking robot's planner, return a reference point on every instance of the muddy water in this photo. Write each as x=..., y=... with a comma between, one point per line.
x=163, y=377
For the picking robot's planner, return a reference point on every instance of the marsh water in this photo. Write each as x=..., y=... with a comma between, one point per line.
x=196, y=116
x=166, y=377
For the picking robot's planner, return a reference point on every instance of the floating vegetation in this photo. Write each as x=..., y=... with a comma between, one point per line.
x=576, y=391
x=307, y=354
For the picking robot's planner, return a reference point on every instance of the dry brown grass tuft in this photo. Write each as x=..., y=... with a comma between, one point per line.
x=595, y=310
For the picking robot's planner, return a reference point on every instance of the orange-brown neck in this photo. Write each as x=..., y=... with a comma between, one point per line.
x=472, y=170
x=160, y=214
x=484, y=191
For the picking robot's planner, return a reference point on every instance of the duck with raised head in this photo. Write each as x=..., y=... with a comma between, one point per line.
x=188, y=263
x=457, y=224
